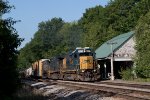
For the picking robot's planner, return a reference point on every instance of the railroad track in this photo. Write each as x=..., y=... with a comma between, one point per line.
x=137, y=85
x=130, y=93
x=118, y=90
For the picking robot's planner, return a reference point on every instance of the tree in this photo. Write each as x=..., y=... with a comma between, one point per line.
x=9, y=41
x=103, y=23
x=91, y=23
x=71, y=35
x=143, y=46
x=43, y=44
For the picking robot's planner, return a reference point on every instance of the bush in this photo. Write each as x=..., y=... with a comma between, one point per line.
x=143, y=72
x=127, y=74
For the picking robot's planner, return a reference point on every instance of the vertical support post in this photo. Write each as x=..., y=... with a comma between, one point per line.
x=112, y=69
x=134, y=73
x=112, y=61
x=105, y=71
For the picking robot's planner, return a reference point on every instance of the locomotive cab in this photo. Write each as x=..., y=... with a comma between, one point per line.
x=86, y=59
x=86, y=62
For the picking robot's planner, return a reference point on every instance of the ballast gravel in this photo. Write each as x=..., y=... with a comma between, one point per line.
x=57, y=92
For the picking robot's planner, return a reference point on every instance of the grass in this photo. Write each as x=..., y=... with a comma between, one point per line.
x=142, y=80
x=27, y=93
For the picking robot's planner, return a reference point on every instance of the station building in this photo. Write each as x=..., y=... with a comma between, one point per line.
x=116, y=54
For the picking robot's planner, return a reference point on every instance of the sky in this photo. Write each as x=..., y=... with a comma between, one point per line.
x=32, y=12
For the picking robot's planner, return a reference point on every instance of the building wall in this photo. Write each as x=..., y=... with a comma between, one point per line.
x=127, y=50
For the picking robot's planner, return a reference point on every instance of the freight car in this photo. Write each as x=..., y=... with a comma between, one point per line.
x=78, y=65
x=40, y=68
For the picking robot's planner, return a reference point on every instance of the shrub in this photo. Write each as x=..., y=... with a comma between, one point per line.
x=143, y=72
x=127, y=74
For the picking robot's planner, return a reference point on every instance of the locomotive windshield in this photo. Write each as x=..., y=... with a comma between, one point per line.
x=82, y=52
x=86, y=54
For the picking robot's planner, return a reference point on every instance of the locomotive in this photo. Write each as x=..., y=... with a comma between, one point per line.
x=78, y=65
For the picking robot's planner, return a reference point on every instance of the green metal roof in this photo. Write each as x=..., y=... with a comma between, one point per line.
x=105, y=49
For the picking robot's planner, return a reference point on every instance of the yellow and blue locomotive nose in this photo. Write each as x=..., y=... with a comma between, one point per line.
x=86, y=62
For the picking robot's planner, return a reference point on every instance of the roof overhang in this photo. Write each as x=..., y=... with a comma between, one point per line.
x=102, y=58
x=123, y=59
x=116, y=59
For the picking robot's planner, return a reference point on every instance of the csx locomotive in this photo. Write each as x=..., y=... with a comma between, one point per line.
x=78, y=65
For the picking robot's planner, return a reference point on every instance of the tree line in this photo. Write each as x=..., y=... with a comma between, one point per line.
x=9, y=42
x=97, y=25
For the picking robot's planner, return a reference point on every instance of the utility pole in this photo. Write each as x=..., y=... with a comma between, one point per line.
x=112, y=60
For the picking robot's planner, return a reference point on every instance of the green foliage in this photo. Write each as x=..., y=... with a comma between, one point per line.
x=101, y=24
x=71, y=36
x=97, y=25
x=91, y=22
x=127, y=74
x=9, y=41
x=142, y=79
x=53, y=38
x=46, y=39
x=143, y=46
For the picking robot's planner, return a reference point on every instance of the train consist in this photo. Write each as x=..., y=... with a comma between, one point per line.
x=78, y=65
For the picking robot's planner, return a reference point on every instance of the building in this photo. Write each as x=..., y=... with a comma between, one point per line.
x=122, y=49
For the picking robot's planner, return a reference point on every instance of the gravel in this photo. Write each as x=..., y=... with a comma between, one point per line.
x=57, y=92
